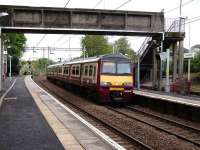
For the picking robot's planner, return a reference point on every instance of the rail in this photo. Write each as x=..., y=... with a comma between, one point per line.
x=139, y=143
x=156, y=124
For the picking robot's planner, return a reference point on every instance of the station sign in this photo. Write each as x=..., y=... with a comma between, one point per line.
x=163, y=55
x=5, y=52
x=188, y=55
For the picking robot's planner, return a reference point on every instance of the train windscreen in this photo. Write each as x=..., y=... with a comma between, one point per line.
x=116, y=68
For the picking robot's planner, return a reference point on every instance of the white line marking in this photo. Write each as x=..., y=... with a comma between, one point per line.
x=10, y=98
x=8, y=90
x=90, y=126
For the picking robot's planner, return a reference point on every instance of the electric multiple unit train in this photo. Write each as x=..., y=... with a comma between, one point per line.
x=106, y=78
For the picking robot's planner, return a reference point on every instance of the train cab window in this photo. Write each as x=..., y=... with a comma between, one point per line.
x=86, y=70
x=109, y=67
x=77, y=70
x=123, y=68
x=90, y=70
x=94, y=74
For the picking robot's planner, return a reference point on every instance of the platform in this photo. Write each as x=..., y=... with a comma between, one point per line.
x=193, y=101
x=6, y=84
x=22, y=126
x=31, y=118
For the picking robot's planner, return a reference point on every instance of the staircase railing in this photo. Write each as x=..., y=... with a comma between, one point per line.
x=144, y=46
x=172, y=25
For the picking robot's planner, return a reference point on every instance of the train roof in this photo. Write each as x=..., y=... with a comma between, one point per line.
x=93, y=59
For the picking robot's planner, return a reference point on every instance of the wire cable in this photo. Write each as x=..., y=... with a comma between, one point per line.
x=173, y=9
x=62, y=36
x=43, y=37
x=128, y=1
x=66, y=3
x=99, y=2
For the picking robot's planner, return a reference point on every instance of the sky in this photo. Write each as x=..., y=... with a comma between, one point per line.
x=190, y=10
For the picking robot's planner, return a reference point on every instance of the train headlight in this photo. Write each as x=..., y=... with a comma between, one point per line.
x=105, y=84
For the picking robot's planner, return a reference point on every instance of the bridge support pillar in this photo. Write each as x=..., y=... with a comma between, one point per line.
x=180, y=60
x=155, y=70
x=174, y=48
x=1, y=59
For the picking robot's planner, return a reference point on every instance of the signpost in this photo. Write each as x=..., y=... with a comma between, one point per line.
x=166, y=56
x=188, y=56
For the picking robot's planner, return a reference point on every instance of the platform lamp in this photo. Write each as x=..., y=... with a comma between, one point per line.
x=2, y=14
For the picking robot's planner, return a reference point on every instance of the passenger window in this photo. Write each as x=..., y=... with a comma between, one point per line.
x=77, y=70
x=73, y=70
x=90, y=70
x=94, y=74
x=67, y=70
x=86, y=70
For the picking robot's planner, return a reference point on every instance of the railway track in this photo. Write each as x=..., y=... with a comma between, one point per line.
x=180, y=130
x=118, y=135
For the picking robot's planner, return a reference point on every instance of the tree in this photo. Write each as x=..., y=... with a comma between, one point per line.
x=39, y=66
x=15, y=44
x=195, y=63
x=122, y=46
x=96, y=45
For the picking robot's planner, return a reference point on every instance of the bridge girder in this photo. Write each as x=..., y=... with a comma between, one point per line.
x=89, y=21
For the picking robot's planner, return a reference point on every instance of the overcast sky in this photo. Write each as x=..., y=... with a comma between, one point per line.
x=190, y=10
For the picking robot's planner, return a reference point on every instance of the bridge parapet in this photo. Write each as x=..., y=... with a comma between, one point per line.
x=46, y=17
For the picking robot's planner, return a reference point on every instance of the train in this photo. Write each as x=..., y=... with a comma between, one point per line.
x=105, y=79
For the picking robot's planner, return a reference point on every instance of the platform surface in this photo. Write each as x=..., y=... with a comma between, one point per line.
x=193, y=101
x=84, y=136
x=22, y=126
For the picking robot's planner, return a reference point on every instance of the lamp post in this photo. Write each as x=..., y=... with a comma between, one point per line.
x=10, y=73
x=189, y=58
x=138, y=73
x=2, y=14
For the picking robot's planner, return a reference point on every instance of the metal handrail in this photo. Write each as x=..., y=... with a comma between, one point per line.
x=172, y=28
x=144, y=44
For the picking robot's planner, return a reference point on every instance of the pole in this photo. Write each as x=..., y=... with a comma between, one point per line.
x=138, y=73
x=70, y=47
x=84, y=52
x=167, y=88
x=113, y=49
x=180, y=9
x=43, y=52
x=0, y=60
x=6, y=61
x=10, y=73
x=180, y=65
x=161, y=50
x=189, y=58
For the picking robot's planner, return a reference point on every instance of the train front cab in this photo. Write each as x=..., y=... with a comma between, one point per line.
x=116, y=80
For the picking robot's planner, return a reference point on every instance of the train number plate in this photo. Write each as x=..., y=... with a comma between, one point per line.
x=116, y=89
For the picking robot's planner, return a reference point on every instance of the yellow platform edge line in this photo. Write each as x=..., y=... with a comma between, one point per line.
x=63, y=134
